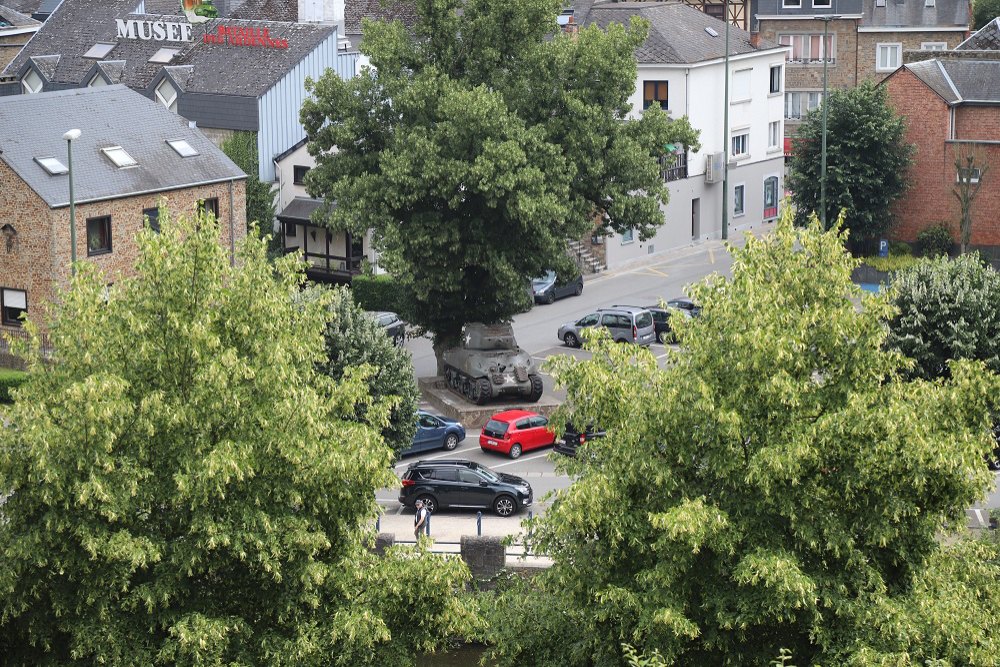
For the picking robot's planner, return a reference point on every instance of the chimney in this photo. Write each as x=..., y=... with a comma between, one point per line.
x=755, y=39
x=571, y=28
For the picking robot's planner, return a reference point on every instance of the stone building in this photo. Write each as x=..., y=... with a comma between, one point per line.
x=15, y=31
x=131, y=155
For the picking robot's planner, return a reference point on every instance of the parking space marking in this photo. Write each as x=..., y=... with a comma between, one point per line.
x=520, y=460
x=980, y=517
x=711, y=255
x=442, y=455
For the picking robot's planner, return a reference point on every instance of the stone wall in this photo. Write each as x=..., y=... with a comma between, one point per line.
x=868, y=47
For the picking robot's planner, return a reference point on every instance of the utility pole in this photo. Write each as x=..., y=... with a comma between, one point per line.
x=826, y=61
x=725, y=139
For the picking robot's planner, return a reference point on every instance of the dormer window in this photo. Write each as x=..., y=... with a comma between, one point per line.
x=97, y=81
x=32, y=83
x=166, y=95
x=99, y=50
x=119, y=157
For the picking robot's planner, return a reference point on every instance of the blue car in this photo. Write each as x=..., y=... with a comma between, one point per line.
x=435, y=432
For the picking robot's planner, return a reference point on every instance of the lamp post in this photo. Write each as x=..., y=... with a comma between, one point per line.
x=826, y=61
x=70, y=136
x=725, y=137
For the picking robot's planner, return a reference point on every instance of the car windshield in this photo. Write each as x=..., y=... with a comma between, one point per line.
x=495, y=429
x=544, y=280
x=643, y=320
x=488, y=474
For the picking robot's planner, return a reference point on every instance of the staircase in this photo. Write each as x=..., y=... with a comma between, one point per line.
x=584, y=258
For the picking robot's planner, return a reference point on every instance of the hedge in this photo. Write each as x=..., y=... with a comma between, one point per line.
x=8, y=380
x=377, y=292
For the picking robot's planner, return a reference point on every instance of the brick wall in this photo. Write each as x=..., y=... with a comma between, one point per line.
x=868, y=44
x=980, y=123
x=930, y=198
x=40, y=264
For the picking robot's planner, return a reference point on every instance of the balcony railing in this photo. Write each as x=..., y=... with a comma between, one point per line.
x=674, y=166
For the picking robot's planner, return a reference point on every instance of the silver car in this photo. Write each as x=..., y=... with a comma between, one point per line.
x=626, y=324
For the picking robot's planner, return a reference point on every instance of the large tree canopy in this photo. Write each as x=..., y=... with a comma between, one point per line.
x=183, y=487
x=867, y=161
x=478, y=143
x=780, y=485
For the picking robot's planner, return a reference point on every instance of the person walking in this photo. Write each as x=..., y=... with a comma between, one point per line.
x=419, y=519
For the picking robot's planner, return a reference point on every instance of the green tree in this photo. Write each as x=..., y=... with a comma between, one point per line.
x=946, y=309
x=353, y=340
x=183, y=487
x=478, y=143
x=765, y=491
x=867, y=161
x=241, y=147
x=984, y=11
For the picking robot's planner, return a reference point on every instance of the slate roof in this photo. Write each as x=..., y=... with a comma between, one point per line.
x=914, y=14
x=300, y=208
x=16, y=19
x=112, y=69
x=986, y=38
x=268, y=10
x=217, y=68
x=106, y=116
x=386, y=10
x=960, y=80
x=677, y=32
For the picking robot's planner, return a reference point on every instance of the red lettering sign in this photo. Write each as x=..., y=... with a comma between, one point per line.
x=236, y=36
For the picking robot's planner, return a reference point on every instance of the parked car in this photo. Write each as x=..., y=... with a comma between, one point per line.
x=572, y=438
x=661, y=321
x=458, y=483
x=514, y=432
x=684, y=303
x=627, y=324
x=394, y=327
x=548, y=288
x=435, y=432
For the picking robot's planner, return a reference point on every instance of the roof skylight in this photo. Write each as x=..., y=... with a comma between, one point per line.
x=164, y=55
x=52, y=165
x=118, y=155
x=99, y=50
x=183, y=148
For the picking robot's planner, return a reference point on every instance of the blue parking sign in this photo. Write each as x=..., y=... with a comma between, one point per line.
x=883, y=248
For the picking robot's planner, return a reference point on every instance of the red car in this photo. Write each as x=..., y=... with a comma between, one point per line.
x=516, y=431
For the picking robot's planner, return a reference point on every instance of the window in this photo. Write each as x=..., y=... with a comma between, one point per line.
x=299, y=174
x=13, y=304
x=770, y=197
x=774, y=135
x=588, y=320
x=166, y=95
x=717, y=11
x=654, y=91
x=821, y=3
x=933, y=46
x=740, y=145
x=182, y=147
x=210, y=205
x=98, y=50
x=119, y=157
x=887, y=57
x=791, y=3
x=928, y=3
x=164, y=55
x=97, y=81
x=741, y=85
x=798, y=104
x=99, y=235
x=52, y=165
x=775, y=79
x=880, y=3
x=290, y=230
x=32, y=83
x=628, y=236
x=971, y=175
x=809, y=48
x=469, y=477
x=151, y=216
x=739, y=200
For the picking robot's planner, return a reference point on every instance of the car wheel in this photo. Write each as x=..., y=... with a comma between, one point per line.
x=504, y=506
x=428, y=502
x=579, y=288
x=571, y=340
x=451, y=442
x=536, y=388
x=398, y=340
x=484, y=449
x=515, y=451
x=551, y=297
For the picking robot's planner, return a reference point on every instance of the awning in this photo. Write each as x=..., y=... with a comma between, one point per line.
x=788, y=146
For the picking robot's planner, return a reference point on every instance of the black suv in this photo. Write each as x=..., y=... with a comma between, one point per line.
x=455, y=483
x=573, y=438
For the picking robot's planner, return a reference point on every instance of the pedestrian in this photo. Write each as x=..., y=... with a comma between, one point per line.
x=419, y=519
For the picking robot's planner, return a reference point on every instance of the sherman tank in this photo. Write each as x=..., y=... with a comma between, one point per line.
x=489, y=364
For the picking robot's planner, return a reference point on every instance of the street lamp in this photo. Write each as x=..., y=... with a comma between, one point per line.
x=826, y=18
x=71, y=136
x=725, y=137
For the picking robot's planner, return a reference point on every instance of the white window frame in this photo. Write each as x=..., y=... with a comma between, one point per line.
x=807, y=38
x=12, y=298
x=977, y=173
x=805, y=109
x=821, y=3
x=628, y=236
x=791, y=3
x=745, y=92
x=774, y=133
x=170, y=103
x=743, y=136
x=742, y=210
x=897, y=47
x=27, y=82
x=933, y=46
x=770, y=78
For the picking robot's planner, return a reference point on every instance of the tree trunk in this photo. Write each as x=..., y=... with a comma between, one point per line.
x=442, y=341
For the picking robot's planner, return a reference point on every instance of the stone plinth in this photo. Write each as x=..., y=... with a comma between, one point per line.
x=485, y=556
x=435, y=391
x=383, y=541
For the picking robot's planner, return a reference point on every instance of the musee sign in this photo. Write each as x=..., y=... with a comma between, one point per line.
x=160, y=31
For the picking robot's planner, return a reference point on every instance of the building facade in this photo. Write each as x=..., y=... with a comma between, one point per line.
x=120, y=178
x=15, y=31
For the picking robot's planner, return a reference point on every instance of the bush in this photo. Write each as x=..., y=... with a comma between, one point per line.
x=10, y=379
x=377, y=292
x=899, y=248
x=891, y=263
x=935, y=240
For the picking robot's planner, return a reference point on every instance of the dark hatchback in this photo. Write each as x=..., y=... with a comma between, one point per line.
x=548, y=288
x=572, y=438
x=463, y=484
x=394, y=327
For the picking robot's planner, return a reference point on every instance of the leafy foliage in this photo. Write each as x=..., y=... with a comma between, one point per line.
x=241, y=147
x=778, y=481
x=935, y=240
x=946, y=309
x=381, y=292
x=984, y=11
x=185, y=488
x=867, y=160
x=892, y=262
x=478, y=143
x=9, y=380
x=353, y=341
